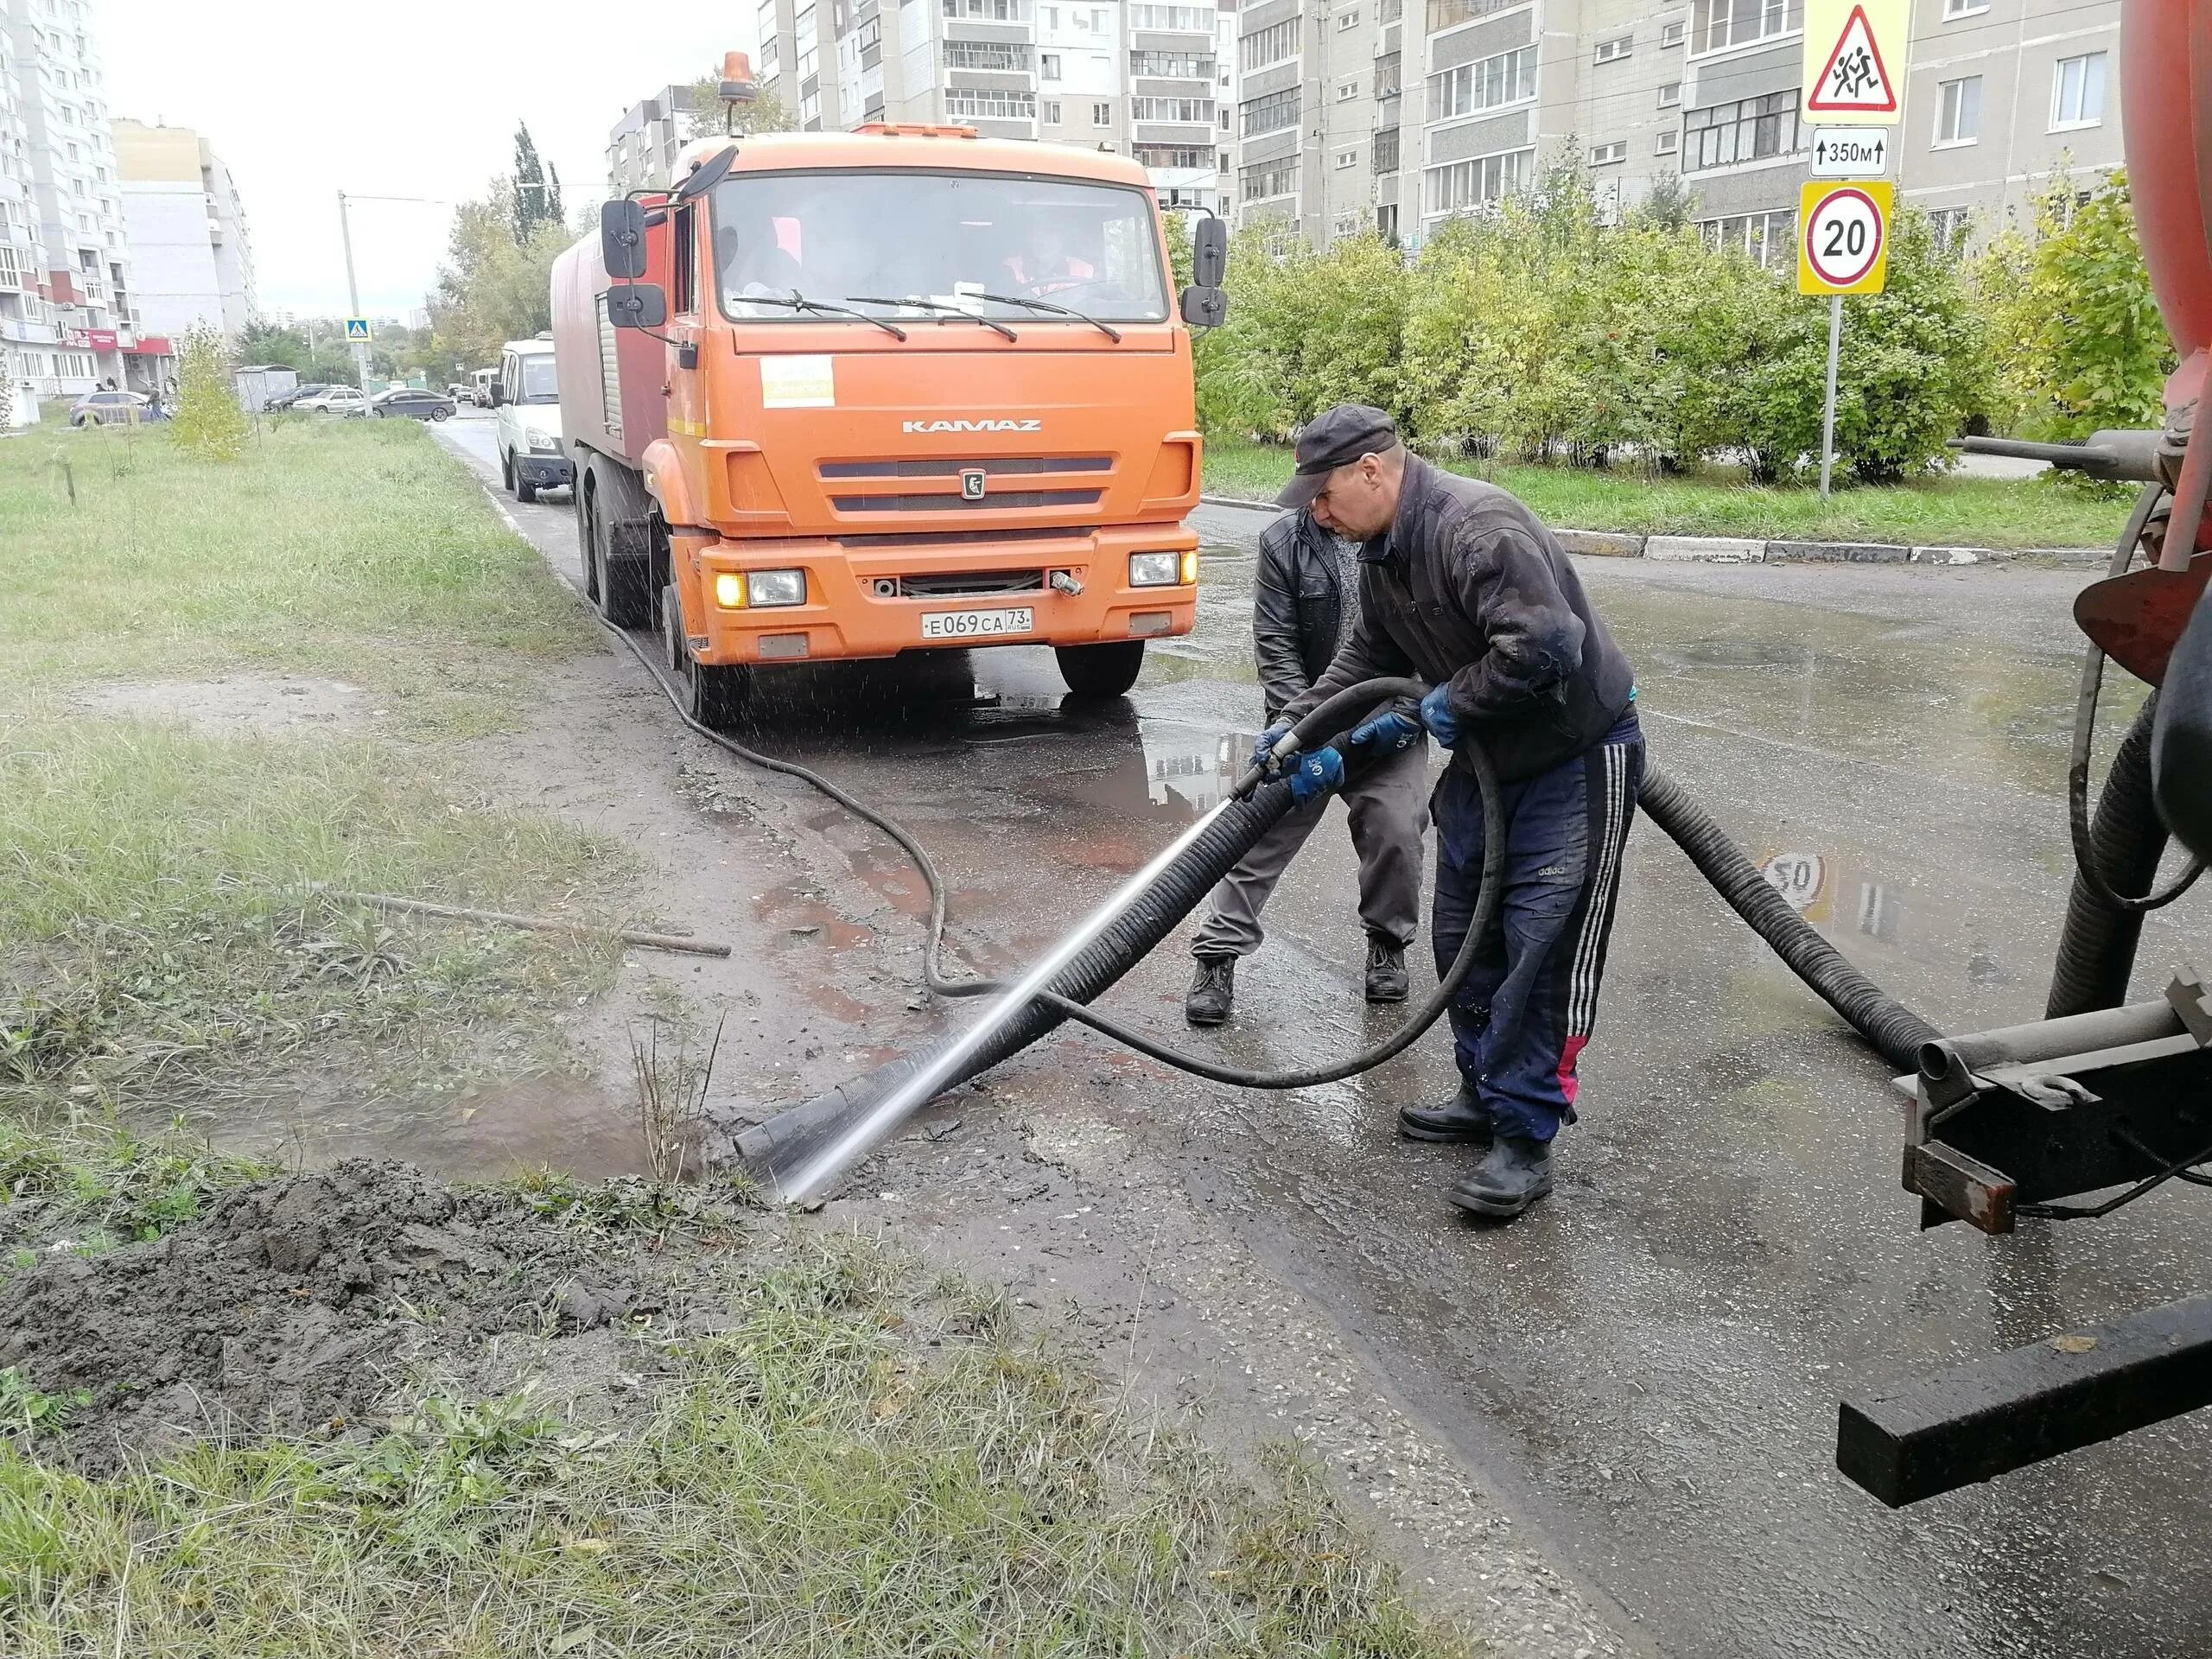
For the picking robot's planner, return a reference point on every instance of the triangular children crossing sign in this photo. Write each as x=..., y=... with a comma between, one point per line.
x=1853, y=79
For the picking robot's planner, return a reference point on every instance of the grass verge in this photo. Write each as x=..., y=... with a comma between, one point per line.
x=854, y=1464
x=1951, y=511
x=156, y=926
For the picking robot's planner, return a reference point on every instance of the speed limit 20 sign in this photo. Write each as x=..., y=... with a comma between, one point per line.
x=1843, y=237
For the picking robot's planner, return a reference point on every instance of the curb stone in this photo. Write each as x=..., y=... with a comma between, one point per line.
x=1846, y=552
x=1601, y=543
x=1710, y=549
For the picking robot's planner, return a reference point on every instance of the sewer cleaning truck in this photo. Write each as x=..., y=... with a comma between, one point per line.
x=837, y=396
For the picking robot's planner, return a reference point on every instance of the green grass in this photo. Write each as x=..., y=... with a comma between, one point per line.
x=105, y=1184
x=156, y=928
x=852, y=1469
x=1967, y=512
x=352, y=549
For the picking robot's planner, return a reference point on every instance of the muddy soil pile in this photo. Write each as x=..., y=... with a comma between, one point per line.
x=298, y=1304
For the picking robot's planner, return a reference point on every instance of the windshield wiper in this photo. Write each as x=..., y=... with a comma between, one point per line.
x=798, y=302
x=920, y=304
x=1107, y=328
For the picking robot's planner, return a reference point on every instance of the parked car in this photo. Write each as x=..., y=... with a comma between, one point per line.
x=335, y=400
x=108, y=409
x=412, y=401
x=528, y=397
x=297, y=394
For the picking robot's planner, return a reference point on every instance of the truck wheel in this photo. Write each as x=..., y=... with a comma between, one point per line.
x=715, y=695
x=625, y=598
x=1107, y=670
x=585, y=555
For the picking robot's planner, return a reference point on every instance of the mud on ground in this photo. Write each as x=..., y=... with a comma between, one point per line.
x=303, y=1304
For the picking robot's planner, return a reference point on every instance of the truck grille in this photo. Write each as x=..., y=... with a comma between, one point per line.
x=941, y=501
x=960, y=584
x=992, y=466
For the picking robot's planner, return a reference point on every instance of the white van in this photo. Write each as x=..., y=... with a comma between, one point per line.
x=532, y=456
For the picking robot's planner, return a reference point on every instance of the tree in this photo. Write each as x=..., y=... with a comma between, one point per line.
x=493, y=289
x=207, y=423
x=317, y=354
x=705, y=116
x=537, y=189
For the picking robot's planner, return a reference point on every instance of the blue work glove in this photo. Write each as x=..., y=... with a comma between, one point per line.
x=1316, y=774
x=1386, y=733
x=1264, y=746
x=1436, y=715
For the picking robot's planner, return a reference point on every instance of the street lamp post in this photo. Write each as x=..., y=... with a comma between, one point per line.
x=353, y=287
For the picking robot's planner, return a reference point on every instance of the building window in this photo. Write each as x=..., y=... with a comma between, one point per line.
x=1171, y=155
x=1174, y=66
x=1345, y=225
x=1770, y=239
x=1671, y=95
x=1449, y=14
x=1718, y=24
x=1347, y=91
x=2078, y=92
x=1482, y=85
x=1750, y=130
x=1048, y=65
x=986, y=54
x=1958, y=115
x=1670, y=141
x=1266, y=180
x=989, y=11
x=1051, y=111
x=1269, y=114
x=11, y=267
x=1615, y=49
x=979, y=104
x=1101, y=115
x=1949, y=225
x=1192, y=20
x=1270, y=44
x=1224, y=115
x=1346, y=160
x=1386, y=151
x=1606, y=155
x=1963, y=7
x=1462, y=185
x=1195, y=110
x=1671, y=33
x=1387, y=71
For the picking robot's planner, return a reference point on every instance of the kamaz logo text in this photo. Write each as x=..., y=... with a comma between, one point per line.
x=971, y=426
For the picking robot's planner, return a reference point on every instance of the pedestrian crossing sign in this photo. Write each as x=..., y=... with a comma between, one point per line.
x=357, y=328
x=1854, y=60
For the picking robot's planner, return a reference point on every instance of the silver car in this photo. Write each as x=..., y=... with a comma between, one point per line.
x=108, y=409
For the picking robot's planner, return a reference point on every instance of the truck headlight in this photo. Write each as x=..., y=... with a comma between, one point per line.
x=1154, y=570
x=767, y=587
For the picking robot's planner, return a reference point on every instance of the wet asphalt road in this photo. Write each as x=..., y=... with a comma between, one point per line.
x=1647, y=1364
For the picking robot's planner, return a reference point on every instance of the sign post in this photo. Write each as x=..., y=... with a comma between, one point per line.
x=1827, y=408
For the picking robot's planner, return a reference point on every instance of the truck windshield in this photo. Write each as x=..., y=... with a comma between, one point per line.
x=942, y=238
x=537, y=381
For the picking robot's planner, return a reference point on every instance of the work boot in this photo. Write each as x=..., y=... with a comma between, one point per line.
x=1513, y=1174
x=1213, y=991
x=1461, y=1118
x=1386, y=970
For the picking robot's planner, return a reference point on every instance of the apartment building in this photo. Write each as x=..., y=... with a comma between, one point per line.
x=1466, y=98
x=1141, y=80
x=65, y=309
x=191, y=259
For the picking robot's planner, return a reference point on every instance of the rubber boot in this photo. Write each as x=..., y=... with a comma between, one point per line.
x=1213, y=991
x=1386, y=970
x=1461, y=1119
x=1513, y=1174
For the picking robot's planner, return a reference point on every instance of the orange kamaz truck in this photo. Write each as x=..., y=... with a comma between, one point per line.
x=847, y=394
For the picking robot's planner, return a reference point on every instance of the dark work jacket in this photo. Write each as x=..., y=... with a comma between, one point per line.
x=1467, y=586
x=1297, y=607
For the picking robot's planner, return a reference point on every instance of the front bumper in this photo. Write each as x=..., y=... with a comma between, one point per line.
x=857, y=604
x=544, y=472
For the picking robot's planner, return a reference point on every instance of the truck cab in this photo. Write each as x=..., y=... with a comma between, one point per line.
x=847, y=395
x=528, y=399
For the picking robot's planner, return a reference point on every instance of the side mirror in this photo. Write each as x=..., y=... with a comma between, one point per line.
x=622, y=239
x=499, y=394
x=705, y=176
x=1204, y=307
x=1208, y=253
x=637, y=305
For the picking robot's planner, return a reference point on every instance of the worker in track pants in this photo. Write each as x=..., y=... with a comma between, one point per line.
x=1462, y=587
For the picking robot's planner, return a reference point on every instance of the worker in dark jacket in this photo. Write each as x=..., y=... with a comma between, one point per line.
x=1305, y=598
x=1461, y=587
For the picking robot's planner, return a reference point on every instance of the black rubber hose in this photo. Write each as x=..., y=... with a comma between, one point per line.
x=1895, y=1030
x=2127, y=838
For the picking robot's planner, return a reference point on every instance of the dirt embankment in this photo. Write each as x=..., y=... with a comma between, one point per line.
x=301, y=1303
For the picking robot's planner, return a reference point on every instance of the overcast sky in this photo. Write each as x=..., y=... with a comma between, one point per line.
x=401, y=97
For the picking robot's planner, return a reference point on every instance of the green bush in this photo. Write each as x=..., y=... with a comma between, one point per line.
x=208, y=423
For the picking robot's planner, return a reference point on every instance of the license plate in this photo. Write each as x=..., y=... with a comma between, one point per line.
x=976, y=625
